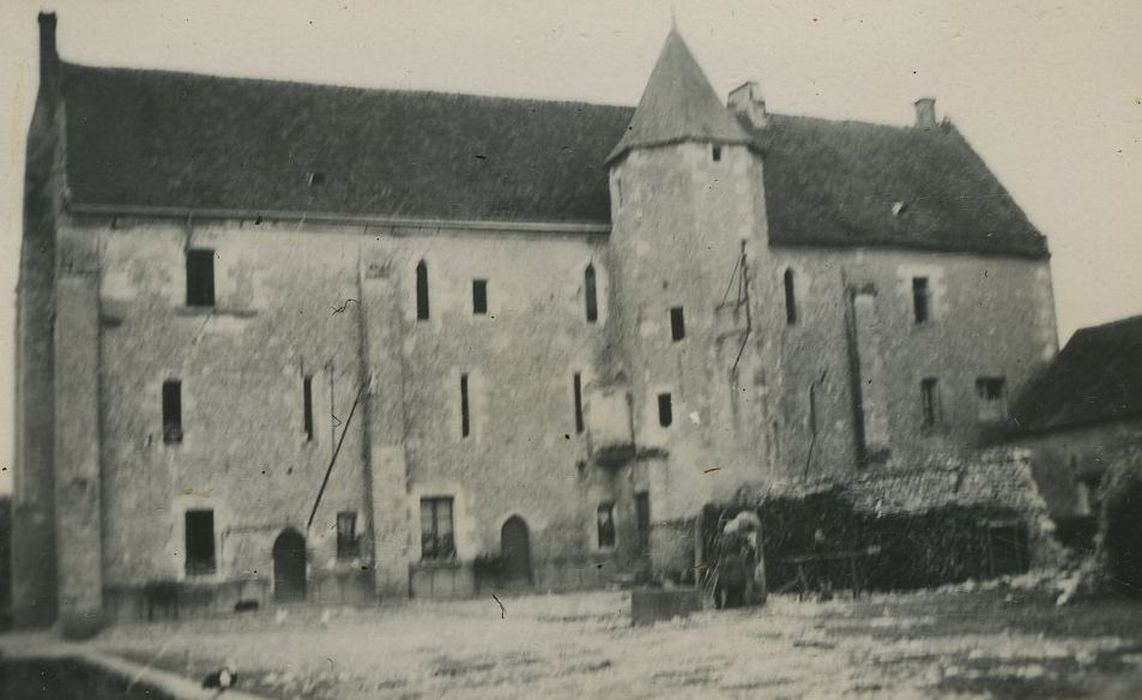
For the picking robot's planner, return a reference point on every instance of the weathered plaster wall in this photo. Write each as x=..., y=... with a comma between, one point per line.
x=244, y=452
x=681, y=220
x=523, y=453
x=282, y=312
x=77, y=432
x=990, y=316
x=34, y=590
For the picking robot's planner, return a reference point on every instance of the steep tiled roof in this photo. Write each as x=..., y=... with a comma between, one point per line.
x=161, y=139
x=679, y=104
x=148, y=138
x=834, y=183
x=1096, y=378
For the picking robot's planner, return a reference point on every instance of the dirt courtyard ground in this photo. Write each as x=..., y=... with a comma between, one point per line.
x=994, y=643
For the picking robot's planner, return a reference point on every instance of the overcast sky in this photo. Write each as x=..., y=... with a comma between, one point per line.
x=1048, y=93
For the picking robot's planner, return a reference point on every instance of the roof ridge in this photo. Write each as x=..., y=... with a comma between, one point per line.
x=158, y=72
x=1137, y=318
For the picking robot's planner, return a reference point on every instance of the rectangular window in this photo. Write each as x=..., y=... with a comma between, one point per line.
x=347, y=535
x=577, y=386
x=436, y=539
x=465, y=417
x=677, y=324
x=991, y=399
x=480, y=297
x=665, y=411
x=642, y=518
x=930, y=402
x=921, y=299
x=200, y=277
x=605, y=524
x=172, y=411
x=307, y=406
x=716, y=152
x=199, y=527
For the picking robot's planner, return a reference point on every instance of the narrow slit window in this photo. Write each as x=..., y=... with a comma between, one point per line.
x=172, y=411
x=347, y=540
x=307, y=406
x=200, y=277
x=665, y=410
x=642, y=520
x=921, y=299
x=590, y=293
x=790, y=299
x=422, y=291
x=677, y=324
x=480, y=297
x=812, y=409
x=465, y=414
x=605, y=524
x=199, y=545
x=930, y=402
x=577, y=386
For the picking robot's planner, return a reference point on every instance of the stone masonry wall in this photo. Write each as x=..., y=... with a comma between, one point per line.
x=990, y=316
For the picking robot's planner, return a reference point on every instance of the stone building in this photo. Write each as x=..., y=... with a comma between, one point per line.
x=280, y=340
x=1081, y=415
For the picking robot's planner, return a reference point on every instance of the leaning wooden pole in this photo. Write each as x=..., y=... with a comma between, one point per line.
x=333, y=460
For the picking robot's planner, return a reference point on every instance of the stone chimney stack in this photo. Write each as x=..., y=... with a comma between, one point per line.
x=926, y=113
x=49, y=57
x=747, y=101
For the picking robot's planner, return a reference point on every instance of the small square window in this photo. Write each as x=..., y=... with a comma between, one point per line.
x=991, y=399
x=199, y=545
x=200, y=277
x=480, y=297
x=921, y=300
x=677, y=324
x=665, y=410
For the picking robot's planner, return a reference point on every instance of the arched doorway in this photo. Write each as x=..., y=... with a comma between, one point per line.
x=289, y=566
x=515, y=547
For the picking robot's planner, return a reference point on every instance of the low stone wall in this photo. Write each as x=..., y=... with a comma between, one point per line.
x=167, y=600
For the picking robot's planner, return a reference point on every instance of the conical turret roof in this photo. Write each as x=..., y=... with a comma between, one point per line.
x=679, y=104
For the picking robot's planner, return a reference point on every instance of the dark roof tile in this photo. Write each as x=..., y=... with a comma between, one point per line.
x=836, y=183
x=1095, y=379
x=160, y=139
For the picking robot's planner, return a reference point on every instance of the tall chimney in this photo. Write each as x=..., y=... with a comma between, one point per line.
x=49, y=57
x=746, y=101
x=926, y=113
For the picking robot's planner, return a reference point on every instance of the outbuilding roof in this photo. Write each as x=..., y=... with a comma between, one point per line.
x=1097, y=378
x=155, y=139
